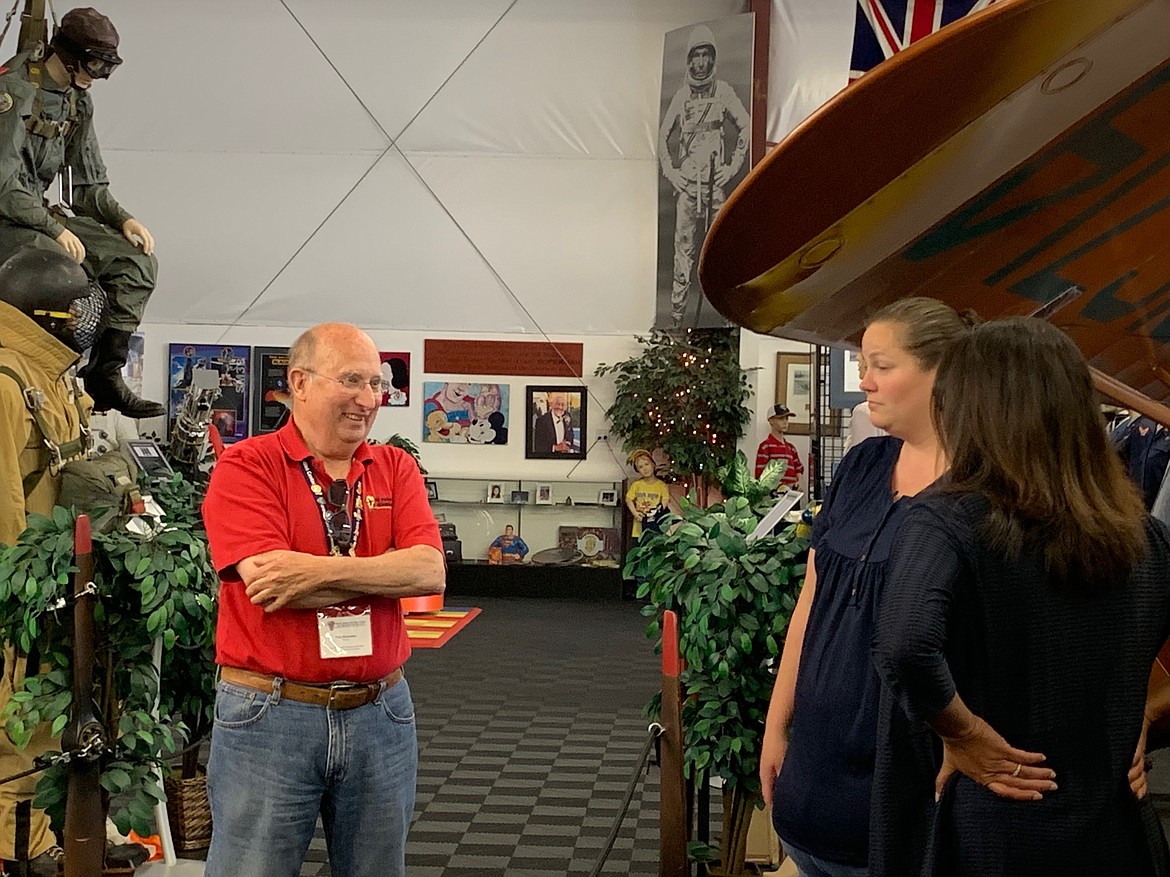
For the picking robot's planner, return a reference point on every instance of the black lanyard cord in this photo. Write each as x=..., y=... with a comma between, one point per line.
x=327, y=518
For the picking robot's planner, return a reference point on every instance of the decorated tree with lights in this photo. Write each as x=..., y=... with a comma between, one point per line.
x=685, y=394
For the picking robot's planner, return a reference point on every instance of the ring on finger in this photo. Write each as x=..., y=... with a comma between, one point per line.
x=1016, y=772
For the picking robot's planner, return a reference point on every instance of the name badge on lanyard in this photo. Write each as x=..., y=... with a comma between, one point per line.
x=345, y=632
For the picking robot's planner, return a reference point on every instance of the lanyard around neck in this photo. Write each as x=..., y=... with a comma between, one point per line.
x=319, y=496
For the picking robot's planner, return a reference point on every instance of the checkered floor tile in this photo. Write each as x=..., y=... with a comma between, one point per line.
x=530, y=727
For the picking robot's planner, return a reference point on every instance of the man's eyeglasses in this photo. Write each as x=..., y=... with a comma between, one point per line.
x=340, y=526
x=355, y=383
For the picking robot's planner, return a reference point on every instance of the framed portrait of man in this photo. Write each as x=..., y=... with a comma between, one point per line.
x=555, y=422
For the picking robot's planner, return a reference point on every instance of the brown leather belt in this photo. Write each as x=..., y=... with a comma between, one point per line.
x=335, y=696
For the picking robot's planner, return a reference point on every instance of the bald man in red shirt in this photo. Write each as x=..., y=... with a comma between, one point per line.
x=316, y=536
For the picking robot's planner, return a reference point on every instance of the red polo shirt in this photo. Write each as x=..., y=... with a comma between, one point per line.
x=772, y=448
x=258, y=501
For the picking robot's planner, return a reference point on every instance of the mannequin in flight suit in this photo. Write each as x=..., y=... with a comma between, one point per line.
x=46, y=129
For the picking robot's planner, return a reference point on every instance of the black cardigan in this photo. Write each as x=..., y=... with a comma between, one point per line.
x=1052, y=667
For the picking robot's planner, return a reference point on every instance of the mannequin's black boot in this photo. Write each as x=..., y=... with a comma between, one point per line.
x=103, y=377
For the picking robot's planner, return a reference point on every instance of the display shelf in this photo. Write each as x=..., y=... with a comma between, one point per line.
x=586, y=583
x=571, y=515
x=529, y=505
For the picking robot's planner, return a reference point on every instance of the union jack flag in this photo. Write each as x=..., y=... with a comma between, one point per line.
x=886, y=27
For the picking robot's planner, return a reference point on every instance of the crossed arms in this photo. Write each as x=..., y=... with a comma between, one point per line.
x=286, y=579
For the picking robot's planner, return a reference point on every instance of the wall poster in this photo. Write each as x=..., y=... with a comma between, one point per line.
x=465, y=413
x=230, y=411
x=271, y=398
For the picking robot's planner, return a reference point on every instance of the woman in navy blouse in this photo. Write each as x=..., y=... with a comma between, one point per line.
x=817, y=759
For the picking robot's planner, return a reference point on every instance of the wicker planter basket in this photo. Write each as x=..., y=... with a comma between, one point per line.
x=189, y=812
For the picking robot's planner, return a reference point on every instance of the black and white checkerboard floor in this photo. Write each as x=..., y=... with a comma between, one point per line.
x=530, y=727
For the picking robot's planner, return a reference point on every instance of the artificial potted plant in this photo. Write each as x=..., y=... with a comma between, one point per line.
x=155, y=588
x=684, y=393
x=187, y=690
x=734, y=598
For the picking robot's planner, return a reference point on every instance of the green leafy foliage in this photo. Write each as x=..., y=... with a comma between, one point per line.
x=158, y=588
x=734, y=598
x=736, y=480
x=684, y=393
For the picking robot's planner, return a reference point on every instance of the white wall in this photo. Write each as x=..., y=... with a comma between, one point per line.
x=604, y=462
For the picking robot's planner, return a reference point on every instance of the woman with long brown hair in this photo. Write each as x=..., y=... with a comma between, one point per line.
x=1025, y=602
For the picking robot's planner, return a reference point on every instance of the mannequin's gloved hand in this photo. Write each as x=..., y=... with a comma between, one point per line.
x=72, y=244
x=137, y=233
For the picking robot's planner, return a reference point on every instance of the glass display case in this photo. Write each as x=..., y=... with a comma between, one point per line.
x=574, y=523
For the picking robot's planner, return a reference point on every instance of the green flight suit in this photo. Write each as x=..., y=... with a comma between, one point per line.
x=28, y=163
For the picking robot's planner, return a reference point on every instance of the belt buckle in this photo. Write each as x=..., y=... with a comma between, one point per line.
x=337, y=688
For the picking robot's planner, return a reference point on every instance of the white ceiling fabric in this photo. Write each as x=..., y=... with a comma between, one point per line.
x=396, y=164
x=810, y=44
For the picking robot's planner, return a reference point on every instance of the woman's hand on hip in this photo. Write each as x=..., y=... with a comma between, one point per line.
x=983, y=755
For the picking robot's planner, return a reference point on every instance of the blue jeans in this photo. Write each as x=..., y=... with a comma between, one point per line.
x=811, y=866
x=276, y=764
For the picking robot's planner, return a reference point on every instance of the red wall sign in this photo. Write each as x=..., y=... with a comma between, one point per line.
x=559, y=359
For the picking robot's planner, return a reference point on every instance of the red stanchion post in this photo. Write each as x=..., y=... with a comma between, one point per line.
x=672, y=789
x=85, y=829
x=216, y=440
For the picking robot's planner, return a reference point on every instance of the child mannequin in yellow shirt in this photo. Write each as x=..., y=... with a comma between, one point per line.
x=648, y=495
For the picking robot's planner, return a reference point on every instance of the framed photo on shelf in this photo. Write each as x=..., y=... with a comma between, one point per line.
x=432, y=489
x=519, y=497
x=544, y=494
x=794, y=388
x=555, y=422
x=607, y=497
x=495, y=491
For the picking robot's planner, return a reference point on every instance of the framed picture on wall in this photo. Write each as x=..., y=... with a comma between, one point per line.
x=271, y=398
x=231, y=368
x=555, y=422
x=396, y=373
x=519, y=497
x=607, y=497
x=495, y=491
x=432, y=490
x=461, y=412
x=544, y=494
x=844, y=379
x=794, y=389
